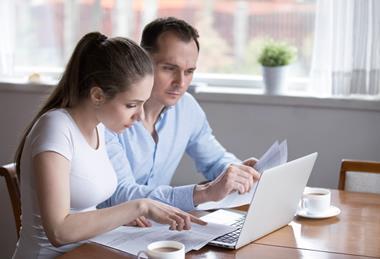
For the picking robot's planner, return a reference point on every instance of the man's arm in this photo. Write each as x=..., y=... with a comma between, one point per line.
x=127, y=189
x=223, y=169
x=210, y=157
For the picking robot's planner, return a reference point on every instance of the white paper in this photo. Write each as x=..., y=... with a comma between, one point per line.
x=225, y=217
x=276, y=155
x=230, y=201
x=135, y=239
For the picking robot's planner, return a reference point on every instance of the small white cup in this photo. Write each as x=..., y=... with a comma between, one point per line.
x=164, y=250
x=316, y=201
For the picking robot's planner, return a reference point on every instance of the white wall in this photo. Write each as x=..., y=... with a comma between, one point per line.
x=336, y=129
x=245, y=124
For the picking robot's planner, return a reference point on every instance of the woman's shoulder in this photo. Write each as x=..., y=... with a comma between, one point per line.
x=54, y=115
x=53, y=120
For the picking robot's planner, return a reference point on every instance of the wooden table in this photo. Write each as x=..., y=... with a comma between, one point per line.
x=352, y=234
x=355, y=231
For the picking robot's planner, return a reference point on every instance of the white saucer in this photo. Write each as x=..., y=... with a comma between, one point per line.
x=331, y=212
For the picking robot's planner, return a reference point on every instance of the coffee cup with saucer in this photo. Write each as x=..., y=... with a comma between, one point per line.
x=316, y=203
x=167, y=249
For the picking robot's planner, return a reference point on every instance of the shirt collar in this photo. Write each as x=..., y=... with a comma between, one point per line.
x=164, y=110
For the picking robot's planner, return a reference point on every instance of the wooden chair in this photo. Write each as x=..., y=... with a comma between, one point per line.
x=359, y=176
x=9, y=172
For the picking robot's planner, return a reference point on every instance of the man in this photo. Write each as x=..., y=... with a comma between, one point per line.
x=146, y=155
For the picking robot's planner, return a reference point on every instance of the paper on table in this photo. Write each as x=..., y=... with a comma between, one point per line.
x=134, y=239
x=276, y=155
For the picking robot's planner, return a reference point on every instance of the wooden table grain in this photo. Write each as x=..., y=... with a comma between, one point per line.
x=355, y=233
x=356, y=230
x=95, y=251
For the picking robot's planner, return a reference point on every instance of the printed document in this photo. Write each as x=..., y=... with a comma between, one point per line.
x=276, y=155
x=135, y=239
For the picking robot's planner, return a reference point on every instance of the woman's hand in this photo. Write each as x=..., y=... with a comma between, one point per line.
x=140, y=222
x=165, y=214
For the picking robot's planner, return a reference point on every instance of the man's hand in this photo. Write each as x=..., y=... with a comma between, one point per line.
x=250, y=162
x=236, y=178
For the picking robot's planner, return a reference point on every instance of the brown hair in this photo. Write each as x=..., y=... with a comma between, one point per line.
x=112, y=64
x=153, y=30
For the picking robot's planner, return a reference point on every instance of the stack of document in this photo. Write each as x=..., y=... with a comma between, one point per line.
x=276, y=155
x=135, y=239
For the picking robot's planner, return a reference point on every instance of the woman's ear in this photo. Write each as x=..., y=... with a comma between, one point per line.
x=97, y=96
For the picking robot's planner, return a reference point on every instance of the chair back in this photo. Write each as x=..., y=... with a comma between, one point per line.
x=360, y=176
x=10, y=175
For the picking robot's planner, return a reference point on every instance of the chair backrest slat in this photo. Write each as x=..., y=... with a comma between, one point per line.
x=361, y=176
x=8, y=171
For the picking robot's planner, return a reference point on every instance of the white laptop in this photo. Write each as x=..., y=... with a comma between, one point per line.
x=273, y=205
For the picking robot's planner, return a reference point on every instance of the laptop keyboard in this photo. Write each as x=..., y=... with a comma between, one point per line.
x=233, y=236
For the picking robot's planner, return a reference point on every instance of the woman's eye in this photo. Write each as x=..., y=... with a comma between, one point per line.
x=131, y=106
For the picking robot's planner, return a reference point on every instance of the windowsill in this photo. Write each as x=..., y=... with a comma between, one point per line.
x=17, y=85
x=296, y=99
x=236, y=95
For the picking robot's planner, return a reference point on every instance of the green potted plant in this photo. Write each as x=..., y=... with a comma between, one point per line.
x=275, y=58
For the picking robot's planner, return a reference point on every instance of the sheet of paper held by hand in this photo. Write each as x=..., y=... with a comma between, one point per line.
x=276, y=155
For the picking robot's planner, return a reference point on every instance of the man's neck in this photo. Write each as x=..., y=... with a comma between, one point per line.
x=152, y=110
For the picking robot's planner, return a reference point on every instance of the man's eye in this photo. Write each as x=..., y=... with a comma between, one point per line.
x=169, y=68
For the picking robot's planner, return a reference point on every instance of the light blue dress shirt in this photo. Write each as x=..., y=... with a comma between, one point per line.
x=145, y=168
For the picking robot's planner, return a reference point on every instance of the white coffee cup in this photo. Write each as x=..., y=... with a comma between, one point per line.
x=316, y=201
x=164, y=250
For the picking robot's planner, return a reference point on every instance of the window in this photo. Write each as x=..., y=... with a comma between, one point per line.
x=230, y=31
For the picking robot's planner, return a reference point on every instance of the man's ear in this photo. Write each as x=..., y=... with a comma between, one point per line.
x=97, y=96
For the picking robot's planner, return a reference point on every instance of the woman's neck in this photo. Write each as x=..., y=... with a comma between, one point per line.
x=85, y=119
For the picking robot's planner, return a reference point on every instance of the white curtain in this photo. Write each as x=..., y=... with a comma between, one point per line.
x=7, y=38
x=346, y=55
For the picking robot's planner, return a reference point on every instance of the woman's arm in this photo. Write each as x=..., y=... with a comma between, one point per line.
x=52, y=172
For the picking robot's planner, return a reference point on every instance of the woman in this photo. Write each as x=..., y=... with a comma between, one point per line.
x=62, y=162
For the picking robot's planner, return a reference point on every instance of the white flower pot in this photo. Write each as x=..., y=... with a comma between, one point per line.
x=275, y=79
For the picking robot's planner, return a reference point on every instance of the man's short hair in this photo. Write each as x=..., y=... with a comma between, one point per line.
x=153, y=30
